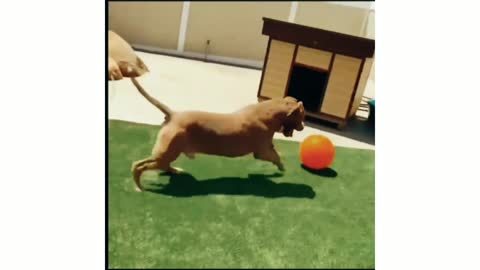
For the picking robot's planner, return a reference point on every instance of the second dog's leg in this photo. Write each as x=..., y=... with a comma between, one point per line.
x=270, y=154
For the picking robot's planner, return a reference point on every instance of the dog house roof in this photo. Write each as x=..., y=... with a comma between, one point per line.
x=319, y=38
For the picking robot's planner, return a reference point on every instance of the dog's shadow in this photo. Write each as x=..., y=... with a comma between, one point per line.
x=186, y=185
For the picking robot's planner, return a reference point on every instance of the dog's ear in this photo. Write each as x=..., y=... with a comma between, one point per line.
x=295, y=108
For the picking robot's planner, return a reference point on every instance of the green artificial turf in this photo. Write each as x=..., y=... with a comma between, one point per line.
x=238, y=212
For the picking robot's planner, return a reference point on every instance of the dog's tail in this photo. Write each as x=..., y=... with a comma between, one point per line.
x=162, y=107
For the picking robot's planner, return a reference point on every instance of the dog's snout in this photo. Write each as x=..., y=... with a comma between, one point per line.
x=300, y=127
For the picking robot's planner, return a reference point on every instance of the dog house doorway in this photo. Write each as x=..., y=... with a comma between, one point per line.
x=308, y=85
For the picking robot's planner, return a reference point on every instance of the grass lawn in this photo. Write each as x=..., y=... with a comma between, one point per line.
x=239, y=212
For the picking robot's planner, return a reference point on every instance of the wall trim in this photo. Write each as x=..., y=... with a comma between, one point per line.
x=293, y=11
x=183, y=26
x=200, y=56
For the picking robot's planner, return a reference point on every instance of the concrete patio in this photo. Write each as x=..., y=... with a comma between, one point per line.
x=186, y=84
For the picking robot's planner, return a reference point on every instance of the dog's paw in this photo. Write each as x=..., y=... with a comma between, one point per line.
x=281, y=167
x=190, y=155
x=139, y=189
x=175, y=170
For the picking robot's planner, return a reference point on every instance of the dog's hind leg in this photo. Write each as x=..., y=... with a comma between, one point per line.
x=167, y=149
x=138, y=170
x=164, y=163
x=164, y=159
x=269, y=154
x=141, y=162
x=152, y=164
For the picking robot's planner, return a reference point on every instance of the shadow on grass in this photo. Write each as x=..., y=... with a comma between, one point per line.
x=185, y=185
x=327, y=172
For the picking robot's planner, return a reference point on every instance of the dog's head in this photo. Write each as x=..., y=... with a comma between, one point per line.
x=293, y=120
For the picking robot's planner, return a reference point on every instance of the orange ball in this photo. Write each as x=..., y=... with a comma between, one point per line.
x=317, y=152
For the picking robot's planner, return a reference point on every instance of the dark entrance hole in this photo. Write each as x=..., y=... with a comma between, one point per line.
x=308, y=85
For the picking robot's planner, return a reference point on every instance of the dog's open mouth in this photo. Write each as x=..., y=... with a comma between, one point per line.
x=288, y=131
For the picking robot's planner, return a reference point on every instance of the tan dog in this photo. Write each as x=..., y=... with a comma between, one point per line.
x=249, y=130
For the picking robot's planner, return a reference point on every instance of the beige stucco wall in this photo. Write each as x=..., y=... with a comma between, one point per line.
x=233, y=28
x=147, y=23
x=334, y=17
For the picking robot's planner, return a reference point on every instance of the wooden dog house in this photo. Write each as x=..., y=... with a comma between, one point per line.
x=326, y=70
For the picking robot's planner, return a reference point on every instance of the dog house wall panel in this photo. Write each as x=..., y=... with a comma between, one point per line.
x=313, y=57
x=341, y=85
x=362, y=83
x=277, y=69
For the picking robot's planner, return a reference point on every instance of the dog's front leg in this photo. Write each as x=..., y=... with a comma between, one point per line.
x=269, y=154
